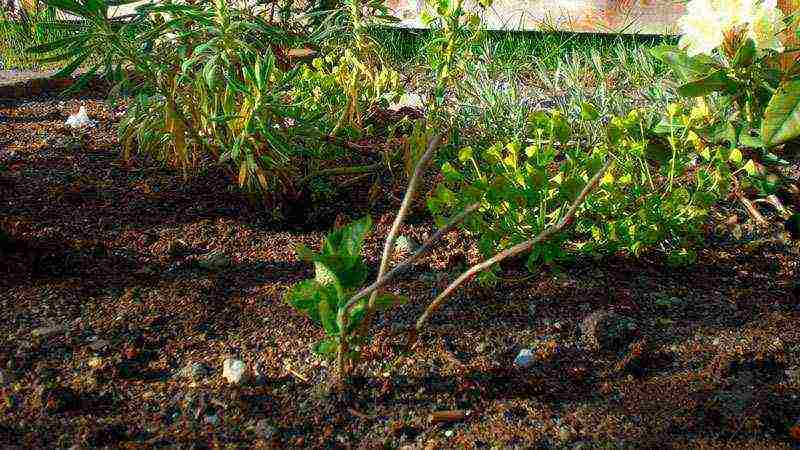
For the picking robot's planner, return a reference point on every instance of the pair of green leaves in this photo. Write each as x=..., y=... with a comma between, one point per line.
x=339, y=272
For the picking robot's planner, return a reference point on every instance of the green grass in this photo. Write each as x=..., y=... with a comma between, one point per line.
x=517, y=72
x=35, y=29
x=517, y=50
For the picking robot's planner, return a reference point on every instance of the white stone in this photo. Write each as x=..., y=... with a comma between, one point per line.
x=212, y=420
x=525, y=358
x=79, y=120
x=233, y=370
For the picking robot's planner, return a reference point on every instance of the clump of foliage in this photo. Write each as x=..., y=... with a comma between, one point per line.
x=19, y=29
x=352, y=78
x=206, y=84
x=339, y=272
x=343, y=92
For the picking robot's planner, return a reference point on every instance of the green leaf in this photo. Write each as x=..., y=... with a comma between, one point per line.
x=687, y=68
x=69, y=6
x=323, y=274
x=304, y=253
x=348, y=239
x=68, y=42
x=781, y=121
x=750, y=141
x=745, y=54
x=750, y=167
x=326, y=348
x=357, y=314
x=717, y=81
x=465, y=154
x=305, y=297
x=210, y=72
x=589, y=112
x=735, y=156
x=67, y=70
x=98, y=7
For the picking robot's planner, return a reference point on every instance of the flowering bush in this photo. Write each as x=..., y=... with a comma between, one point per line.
x=732, y=48
x=706, y=23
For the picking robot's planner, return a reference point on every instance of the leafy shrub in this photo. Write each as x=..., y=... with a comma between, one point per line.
x=20, y=29
x=206, y=85
x=648, y=198
x=734, y=63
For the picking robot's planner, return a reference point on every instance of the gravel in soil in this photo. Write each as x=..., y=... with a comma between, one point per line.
x=123, y=290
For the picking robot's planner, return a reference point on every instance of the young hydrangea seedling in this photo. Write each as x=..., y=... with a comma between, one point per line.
x=339, y=272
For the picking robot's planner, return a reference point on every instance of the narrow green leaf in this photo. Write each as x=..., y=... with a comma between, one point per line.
x=67, y=70
x=745, y=54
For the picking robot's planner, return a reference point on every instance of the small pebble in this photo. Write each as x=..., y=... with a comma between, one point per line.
x=525, y=358
x=233, y=370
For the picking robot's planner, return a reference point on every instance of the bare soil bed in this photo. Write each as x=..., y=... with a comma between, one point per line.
x=122, y=289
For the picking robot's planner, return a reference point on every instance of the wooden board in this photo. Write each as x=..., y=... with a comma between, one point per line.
x=587, y=16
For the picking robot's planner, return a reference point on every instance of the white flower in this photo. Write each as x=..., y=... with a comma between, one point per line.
x=766, y=23
x=702, y=29
x=734, y=13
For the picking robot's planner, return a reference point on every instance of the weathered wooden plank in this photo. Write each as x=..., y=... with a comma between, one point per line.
x=590, y=16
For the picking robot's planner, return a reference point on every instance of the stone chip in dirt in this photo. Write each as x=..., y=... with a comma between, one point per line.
x=233, y=370
x=525, y=358
x=194, y=371
x=214, y=261
x=44, y=332
x=607, y=331
x=99, y=345
x=405, y=244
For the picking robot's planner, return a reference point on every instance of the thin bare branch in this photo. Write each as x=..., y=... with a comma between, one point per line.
x=515, y=250
x=388, y=248
x=411, y=192
x=408, y=262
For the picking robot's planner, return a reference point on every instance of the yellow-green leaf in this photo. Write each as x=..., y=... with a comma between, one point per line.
x=735, y=156
x=750, y=167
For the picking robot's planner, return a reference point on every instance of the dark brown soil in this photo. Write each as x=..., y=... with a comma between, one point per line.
x=104, y=253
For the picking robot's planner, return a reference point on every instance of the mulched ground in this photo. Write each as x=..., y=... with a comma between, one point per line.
x=104, y=299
